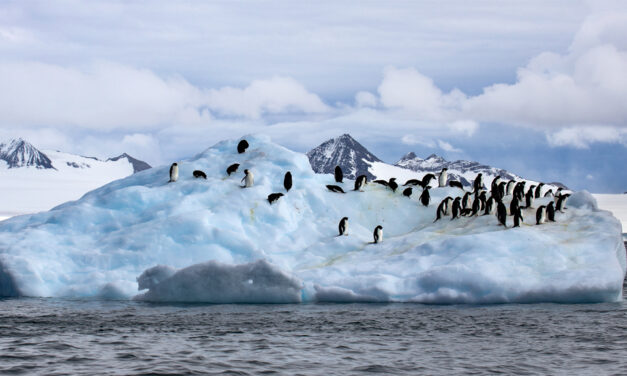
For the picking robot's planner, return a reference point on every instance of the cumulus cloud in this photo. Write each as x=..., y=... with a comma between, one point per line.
x=448, y=147
x=583, y=137
x=365, y=99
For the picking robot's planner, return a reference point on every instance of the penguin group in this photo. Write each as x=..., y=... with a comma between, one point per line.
x=475, y=202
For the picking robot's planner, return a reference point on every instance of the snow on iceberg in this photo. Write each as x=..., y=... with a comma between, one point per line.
x=202, y=240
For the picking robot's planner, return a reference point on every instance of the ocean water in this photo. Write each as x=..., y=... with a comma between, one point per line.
x=55, y=336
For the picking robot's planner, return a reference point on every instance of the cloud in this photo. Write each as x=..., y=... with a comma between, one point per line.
x=365, y=99
x=448, y=147
x=583, y=137
x=274, y=96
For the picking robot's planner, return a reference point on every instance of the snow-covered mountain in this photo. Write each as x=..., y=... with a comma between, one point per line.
x=33, y=180
x=343, y=151
x=19, y=153
x=346, y=152
x=460, y=170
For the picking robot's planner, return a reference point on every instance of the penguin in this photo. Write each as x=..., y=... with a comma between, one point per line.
x=557, y=194
x=538, y=192
x=513, y=206
x=541, y=215
x=199, y=174
x=242, y=146
x=339, y=176
x=287, y=181
x=335, y=188
x=466, y=203
x=501, y=189
x=561, y=202
x=378, y=234
x=443, y=177
x=501, y=213
x=510, y=187
x=489, y=206
x=550, y=212
x=476, y=207
x=248, y=179
x=442, y=208
x=272, y=197
x=457, y=208
x=518, y=217
x=393, y=184
x=174, y=172
x=548, y=193
x=457, y=184
x=529, y=198
x=427, y=179
x=407, y=192
x=466, y=211
x=232, y=168
x=519, y=190
x=447, y=206
x=425, y=197
x=478, y=183
x=381, y=181
x=413, y=182
x=360, y=182
x=482, y=199
x=495, y=183
x=343, y=226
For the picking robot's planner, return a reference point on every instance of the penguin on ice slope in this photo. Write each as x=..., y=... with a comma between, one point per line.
x=343, y=226
x=248, y=179
x=541, y=215
x=518, y=217
x=339, y=176
x=232, y=168
x=287, y=181
x=242, y=146
x=174, y=172
x=425, y=197
x=443, y=177
x=378, y=234
x=360, y=181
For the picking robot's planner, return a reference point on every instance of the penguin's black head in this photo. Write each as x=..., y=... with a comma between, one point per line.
x=380, y=227
x=174, y=164
x=246, y=171
x=444, y=169
x=345, y=219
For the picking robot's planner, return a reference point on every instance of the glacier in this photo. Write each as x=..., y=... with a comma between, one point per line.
x=212, y=241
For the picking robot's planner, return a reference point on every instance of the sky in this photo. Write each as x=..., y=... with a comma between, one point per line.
x=536, y=87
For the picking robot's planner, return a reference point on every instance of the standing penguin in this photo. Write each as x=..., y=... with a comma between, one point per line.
x=501, y=213
x=538, y=192
x=561, y=202
x=248, y=179
x=174, y=172
x=529, y=197
x=550, y=212
x=478, y=183
x=457, y=208
x=510, y=187
x=541, y=215
x=518, y=217
x=287, y=181
x=466, y=203
x=360, y=181
x=548, y=193
x=425, y=197
x=443, y=176
x=242, y=146
x=476, y=207
x=343, y=226
x=427, y=179
x=339, y=176
x=392, y=184
x=513, y=206
x=442, y=208
x=489, y=206
x=378, y=234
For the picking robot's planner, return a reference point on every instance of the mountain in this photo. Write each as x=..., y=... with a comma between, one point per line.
x=19, y=153
x=460, y=170
x=32, y=180
x=346, y=152
x=136, y=163
x=343, y=151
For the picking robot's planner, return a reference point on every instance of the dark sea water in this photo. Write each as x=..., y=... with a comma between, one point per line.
x=53, y=336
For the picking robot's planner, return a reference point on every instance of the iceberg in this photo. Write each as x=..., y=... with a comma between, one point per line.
x=198, y=240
